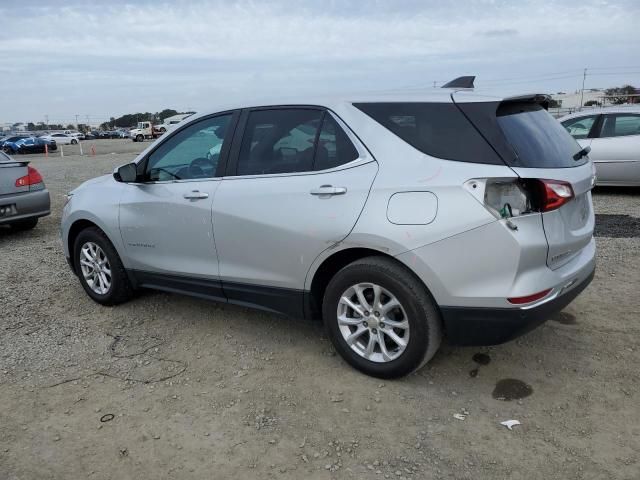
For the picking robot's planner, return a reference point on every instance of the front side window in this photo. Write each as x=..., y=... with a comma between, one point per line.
x=620, y=125
x=579, y=127
x=334, y=147
x=279, y=141
x=191, y=153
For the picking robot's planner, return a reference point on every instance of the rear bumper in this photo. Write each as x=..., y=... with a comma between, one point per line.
x=26, y=205
x=469, y=326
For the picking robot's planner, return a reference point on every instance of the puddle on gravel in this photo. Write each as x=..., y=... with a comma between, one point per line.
x=617, y=226
x=564, y=318
x=511, y=389
x=481, y=359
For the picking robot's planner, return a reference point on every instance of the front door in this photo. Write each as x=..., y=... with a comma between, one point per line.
x=165, y=219
x=296, y=185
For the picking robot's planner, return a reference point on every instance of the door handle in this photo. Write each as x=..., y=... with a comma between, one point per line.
x=328, y=190
x=195, y=195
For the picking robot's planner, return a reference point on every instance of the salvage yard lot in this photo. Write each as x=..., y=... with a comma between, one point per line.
x=168, y=386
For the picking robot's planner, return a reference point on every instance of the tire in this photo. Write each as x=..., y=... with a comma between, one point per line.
x=140, y=138
x=22, y=225
x=417, y=309
x=74, y=142
x=120, y=289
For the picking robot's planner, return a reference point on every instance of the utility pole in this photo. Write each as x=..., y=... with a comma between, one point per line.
x=76, y=120
x=434, y=84
x=46, y=121
x=584, y=76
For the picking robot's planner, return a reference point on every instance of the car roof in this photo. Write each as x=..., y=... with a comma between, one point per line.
x=602, y=110
x=436, y=95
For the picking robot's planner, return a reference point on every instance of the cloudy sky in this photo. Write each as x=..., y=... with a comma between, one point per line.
x=107, y=58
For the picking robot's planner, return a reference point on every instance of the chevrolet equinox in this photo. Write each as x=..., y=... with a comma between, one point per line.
x=396, y=219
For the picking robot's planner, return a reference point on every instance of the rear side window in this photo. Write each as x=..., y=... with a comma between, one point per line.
x=279, y=141
x=579, y=127
x=334, y=147
x=538, y=139
x=437, y=129
x=620, y=125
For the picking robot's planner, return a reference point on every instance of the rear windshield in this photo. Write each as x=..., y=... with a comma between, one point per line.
x=437, y=129
x=538, y=139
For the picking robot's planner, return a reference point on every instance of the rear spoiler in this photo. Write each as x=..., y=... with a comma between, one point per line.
x=540, y=98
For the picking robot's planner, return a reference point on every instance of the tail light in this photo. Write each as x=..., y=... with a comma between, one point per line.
x=553, y=194
x=32, y=179
x=507, y=198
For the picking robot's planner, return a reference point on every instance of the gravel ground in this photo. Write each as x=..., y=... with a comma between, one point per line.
x=168, y=386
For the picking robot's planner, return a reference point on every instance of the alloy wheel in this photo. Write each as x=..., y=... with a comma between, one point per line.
x=95, y=268
x=373, y=322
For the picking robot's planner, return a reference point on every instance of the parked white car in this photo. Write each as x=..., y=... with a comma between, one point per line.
x=613, y=134
x=61, y=138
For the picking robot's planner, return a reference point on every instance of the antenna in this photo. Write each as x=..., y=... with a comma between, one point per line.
x=460, y=82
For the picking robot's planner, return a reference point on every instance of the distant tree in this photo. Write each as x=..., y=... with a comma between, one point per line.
x=31, y=126
x=71, y=126
x=592, y=103
x=553, y=103
x=620, y=95
x=166, y=113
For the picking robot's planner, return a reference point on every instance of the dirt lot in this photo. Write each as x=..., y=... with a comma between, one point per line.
x=174, y=387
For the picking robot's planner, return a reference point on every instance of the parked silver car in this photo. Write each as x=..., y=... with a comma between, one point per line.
x=23, y=196
x=397, y=219
x=613, y=134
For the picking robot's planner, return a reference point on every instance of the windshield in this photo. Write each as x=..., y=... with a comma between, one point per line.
x=539, y=140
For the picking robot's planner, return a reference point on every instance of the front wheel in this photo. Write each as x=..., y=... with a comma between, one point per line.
x=100, y=269
x=140, y=138
x=381, y=318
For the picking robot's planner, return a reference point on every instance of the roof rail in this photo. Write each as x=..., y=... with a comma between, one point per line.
x=460, y=82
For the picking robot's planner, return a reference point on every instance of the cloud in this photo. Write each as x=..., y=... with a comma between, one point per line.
x=118, y=56
x=503, y=32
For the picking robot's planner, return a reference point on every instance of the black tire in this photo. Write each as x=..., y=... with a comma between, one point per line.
x=121, y=289
x=74, y=142
x=27, y=224
x=425, y=325
x=140, y=138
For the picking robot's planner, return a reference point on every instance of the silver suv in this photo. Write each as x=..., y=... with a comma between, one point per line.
x=398, y=219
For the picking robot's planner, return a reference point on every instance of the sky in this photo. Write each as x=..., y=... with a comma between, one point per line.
x=59, y=59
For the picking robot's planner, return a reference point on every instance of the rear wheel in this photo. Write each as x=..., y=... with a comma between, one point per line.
x=380, y=318
x=74, y=142
x=100, y=269
x=27, y=224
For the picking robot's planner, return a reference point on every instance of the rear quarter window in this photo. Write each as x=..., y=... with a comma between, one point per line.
x=437, y=129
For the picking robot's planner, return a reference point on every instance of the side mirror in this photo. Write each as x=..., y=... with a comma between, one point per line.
x=126, y=173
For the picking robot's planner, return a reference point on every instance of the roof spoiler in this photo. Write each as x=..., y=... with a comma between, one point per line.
x=540, y=98
x=460, y=82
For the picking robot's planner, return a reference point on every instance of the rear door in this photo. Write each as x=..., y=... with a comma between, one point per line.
x=615, y=150
x=537, y=146
x=295, y=186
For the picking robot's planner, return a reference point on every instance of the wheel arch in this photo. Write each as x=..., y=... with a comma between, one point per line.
x=334, y=263
x=75, y=229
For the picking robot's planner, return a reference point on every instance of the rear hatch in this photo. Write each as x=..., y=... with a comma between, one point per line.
x=537, y=147
x=10, y=171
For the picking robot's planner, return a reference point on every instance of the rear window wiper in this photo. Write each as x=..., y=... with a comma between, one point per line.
x=582, y=153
